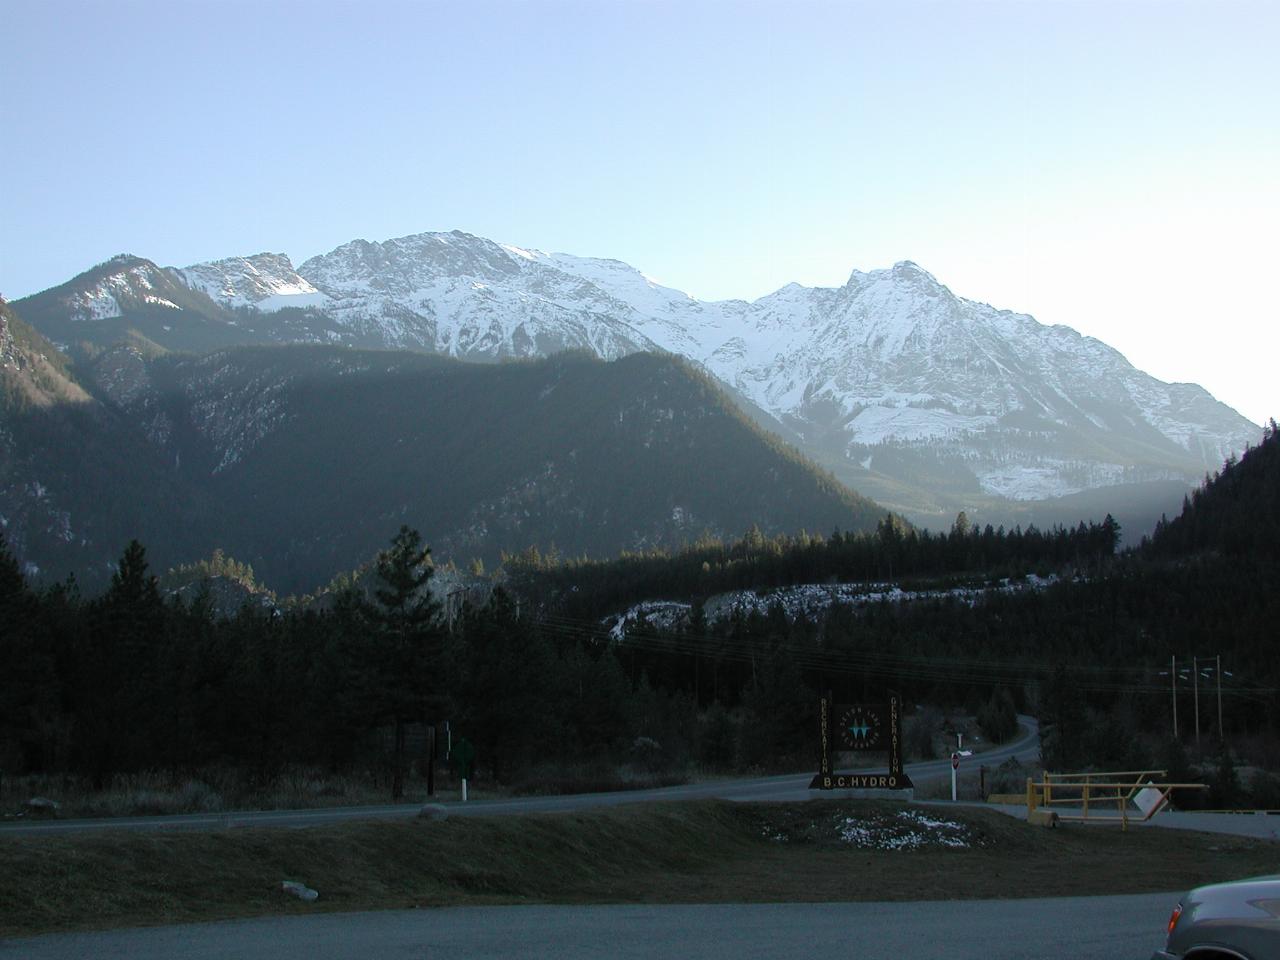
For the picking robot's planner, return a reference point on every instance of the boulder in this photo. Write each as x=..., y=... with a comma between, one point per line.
x=41, y=807
x=433, y=811
x=299, y=890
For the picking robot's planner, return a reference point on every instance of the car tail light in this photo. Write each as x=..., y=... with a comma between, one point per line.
x=1173, y=918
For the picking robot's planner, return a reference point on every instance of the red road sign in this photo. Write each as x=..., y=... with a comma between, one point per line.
x=955, y=761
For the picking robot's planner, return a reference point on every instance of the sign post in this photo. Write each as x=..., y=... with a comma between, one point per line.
x=955, y=765
x=463, y=755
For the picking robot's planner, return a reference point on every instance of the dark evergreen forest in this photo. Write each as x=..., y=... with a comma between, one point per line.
x=138, y=679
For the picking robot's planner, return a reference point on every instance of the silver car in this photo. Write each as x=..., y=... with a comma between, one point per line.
x=1226, y=921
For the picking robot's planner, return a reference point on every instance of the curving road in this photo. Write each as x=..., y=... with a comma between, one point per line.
x=788, y=787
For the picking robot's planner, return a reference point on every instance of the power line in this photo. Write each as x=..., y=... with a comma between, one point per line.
x=938, y=669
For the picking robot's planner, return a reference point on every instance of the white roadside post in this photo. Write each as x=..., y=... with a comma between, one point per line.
x=955, y=765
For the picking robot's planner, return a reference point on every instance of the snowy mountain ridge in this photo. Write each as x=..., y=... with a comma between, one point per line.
x=918, y=397
x=137, y=280
x=265, y=281
x=892, y=358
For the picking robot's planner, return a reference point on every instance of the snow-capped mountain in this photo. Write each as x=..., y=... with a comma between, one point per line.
x=131, y=281
x=924, y=400
x=466, y=297
x=265, y=281
x=888, y=370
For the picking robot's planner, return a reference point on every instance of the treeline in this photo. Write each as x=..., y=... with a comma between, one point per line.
x=1109, y=642
x=1236, y=512
x=216, y=565
x=892, y=553
x=135, y=680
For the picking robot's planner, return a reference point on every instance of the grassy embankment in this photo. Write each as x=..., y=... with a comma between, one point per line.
x=663, y=853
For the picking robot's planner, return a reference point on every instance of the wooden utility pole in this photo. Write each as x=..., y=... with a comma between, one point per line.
x=1195, y=685
x=1222, y=734
x=431, y=760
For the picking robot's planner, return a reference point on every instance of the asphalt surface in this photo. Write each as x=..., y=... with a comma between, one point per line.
x=771, y=789
x=1100, y=928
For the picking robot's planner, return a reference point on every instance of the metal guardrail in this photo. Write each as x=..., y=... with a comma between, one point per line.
x=1120, y=788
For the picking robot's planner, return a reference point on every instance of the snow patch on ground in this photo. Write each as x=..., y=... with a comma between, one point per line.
x=880, y=424
x=810, y=601
x=873, y=829
x=1048, y=479
x=101, y=301
x=909, y=830
x=282, y=299
x=266, y=281
x=95, y=304
x=813, y=599
x=662, y=614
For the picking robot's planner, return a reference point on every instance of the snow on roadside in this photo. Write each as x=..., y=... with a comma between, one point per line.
x=879, y=830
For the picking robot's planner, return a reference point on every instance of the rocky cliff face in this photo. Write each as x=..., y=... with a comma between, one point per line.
x=266, y=282
x=466, y=297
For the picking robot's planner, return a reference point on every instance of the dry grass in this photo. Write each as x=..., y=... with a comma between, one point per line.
x=700, y=852
x=206, y=790
x=215, y=789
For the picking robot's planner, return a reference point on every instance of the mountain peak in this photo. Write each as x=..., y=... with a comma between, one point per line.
x=910, y=270
x=119, y=265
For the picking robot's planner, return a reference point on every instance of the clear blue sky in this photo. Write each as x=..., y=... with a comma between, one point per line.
x=1110, y=166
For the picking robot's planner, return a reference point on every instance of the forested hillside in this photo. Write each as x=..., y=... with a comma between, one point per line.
x=32, y=371
x=129, y=294
x=571, y=455
x=78, y=479
x=891, y=554
x=1236, y=512
x=298, y=459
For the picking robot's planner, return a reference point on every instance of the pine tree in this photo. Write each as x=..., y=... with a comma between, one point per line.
x=119, y=671
x=131, y=587
x=403, y=655
x=12, y=583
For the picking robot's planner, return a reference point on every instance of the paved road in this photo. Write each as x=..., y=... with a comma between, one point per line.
x=783, y=788
x=1100, y=928
x=1265, y=826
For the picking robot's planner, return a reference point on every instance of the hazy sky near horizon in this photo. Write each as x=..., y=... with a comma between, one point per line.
x=1108, y=166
